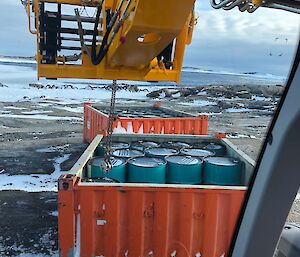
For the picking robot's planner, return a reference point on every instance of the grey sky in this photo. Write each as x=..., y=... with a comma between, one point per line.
x=223, y=40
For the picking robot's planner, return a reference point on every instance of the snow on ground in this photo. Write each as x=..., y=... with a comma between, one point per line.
x=36, y=112
x=36, y=255
x=70, y=109
x=234, y=110
x=17, y=60
x=199, y=103
x=34, y=182
x=236, y=136
x=23, y=92
x=39, y=117
x=17, y=79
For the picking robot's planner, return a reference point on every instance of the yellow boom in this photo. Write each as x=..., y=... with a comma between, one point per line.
x=124, y=39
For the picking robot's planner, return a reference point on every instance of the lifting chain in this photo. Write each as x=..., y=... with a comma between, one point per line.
x=107, y=165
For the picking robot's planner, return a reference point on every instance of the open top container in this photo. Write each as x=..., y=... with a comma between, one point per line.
x=146, y=119
x=144, y=219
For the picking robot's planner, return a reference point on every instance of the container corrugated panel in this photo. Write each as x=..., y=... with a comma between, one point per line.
x=147, y=221
x=96, y=122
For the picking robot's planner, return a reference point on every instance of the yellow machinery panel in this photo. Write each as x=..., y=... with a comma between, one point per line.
x=124, y=39
x=152, y=27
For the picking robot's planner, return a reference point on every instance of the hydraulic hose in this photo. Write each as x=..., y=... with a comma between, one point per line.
x=98, y=57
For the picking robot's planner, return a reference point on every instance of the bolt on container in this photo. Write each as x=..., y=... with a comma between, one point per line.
x=142, y=145
x=160, y=152
x=117, y=173
x=195, y=152
x=182, y=169
x=147, y=170
x=127, y=153
x=176, y=145
x=224, y=171
x=217, y=149
x=114, y=146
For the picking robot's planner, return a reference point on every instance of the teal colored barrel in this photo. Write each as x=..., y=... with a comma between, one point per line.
x=142, y=145
x=183, y=169
x=118, y=171
x=127, y=153
x=200, y=145
x=223, y=171
x=160, y=152
x=217, y=149
x=195, y=152
x=115, y=146
x=147, y=170
x=176, y=145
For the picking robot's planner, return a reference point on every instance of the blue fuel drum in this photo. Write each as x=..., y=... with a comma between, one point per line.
x=223, y=171
x=127, y=153
x=147, y=170
x=182, y=169
x=217, y=149
x=118, y=171
x=195, y=152
x=176, y=145
x=142, y=145
x=114, y=146
x=160, y=152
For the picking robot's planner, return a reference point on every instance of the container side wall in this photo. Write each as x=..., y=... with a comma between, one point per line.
x=139, y=221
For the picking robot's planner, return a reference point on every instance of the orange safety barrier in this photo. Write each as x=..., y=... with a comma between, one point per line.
x=142, y=221
x=96, y=122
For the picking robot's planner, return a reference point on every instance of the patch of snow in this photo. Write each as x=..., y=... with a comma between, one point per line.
x=176, y=95
x=199, y=103
x=36, y=255
x=235, y=136
x=261, y=98
x=6, y=112
x=198, y=254
x=17, y=60
x=40, y=117
x=101, y=222
x=71, y=109
x=54, y=213
x=209, y=113
x=173, y=254
x=14, y=108
x=298, y=196
x=34, y=182
x=202, y=93
x=237, y=110
x=236, y=98
x=36, y=112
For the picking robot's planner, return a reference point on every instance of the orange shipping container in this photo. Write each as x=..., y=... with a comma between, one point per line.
x=147, y=220
x=174, y=122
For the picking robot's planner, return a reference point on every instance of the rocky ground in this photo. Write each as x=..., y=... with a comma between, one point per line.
x=44, y=137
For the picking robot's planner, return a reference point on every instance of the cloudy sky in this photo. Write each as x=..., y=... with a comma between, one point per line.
x=223, y=40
